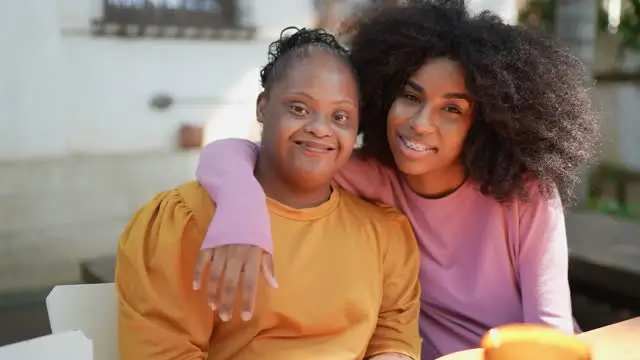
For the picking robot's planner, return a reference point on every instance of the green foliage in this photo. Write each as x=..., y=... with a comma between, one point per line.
x=629, y=27
x=608, y=175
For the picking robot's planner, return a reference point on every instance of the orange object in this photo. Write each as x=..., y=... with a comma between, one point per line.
x=529, y=342
x=190, y=137
x=471, y=354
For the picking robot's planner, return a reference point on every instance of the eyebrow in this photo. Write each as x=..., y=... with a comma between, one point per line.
x=304, y=94
x=456, y=95
x=460, y=96
x=415, y=86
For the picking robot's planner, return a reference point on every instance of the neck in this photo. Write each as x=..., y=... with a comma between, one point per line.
x=438, y=183
x=286, y=192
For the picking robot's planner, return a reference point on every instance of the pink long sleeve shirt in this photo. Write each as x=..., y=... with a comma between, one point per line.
x=483, y=263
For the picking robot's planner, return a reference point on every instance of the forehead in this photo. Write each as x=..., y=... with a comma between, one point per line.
x=324, y=73
x=441, y=75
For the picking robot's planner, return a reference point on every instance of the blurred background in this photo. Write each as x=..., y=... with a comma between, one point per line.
x=104, y=103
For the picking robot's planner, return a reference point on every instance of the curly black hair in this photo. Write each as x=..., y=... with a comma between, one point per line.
x=300, y=44
x=533, y=116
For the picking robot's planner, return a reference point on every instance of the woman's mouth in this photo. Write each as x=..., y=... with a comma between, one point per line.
x=413, y=148
x=315, y=146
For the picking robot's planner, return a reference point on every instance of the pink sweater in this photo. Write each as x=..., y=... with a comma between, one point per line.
x=484, y=263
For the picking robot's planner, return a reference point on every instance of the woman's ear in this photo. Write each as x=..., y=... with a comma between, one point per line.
x=261, y=104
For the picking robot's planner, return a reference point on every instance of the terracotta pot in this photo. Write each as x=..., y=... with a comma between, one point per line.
x=190, y=137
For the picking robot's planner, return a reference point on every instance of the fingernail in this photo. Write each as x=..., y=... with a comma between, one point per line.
x=213, y=306
x=225, y=316
x=196, y=285
x=246, y=315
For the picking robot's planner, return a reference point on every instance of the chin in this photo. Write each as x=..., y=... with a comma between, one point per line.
x=409, y=167
x=412, y=169
x=313, y=178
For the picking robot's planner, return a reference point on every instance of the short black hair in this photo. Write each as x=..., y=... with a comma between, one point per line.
x=533, y=116
x=302, y=43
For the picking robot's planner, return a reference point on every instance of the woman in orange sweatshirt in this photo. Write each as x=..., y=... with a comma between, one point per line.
x=348, y=270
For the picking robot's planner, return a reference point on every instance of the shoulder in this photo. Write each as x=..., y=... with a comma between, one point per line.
x=541, y=226
x=370, y=211
x=157, y=254
x=536, y=200
x=389, y=223
x=197, y=201
x=168, y=220
x=539, y=202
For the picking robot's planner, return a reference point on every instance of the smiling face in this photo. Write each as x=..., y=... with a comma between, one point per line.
x=428, y=123
x=310, y=119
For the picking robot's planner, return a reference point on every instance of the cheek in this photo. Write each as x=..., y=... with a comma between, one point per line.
x=455, y=136
x=278, y=132
x=396, y=117
x=347, y=138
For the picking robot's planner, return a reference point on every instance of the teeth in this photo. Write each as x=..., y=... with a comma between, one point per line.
x=414, y=146
x=314, y=148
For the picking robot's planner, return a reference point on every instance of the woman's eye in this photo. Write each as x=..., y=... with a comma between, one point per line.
x=341, y=118
x=298, y=110
x=453, y=109
x=411, y=97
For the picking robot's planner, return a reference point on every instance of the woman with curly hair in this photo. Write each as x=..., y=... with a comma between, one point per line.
x=478, y=131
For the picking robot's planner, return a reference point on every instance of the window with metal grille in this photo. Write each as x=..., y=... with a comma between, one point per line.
x=174, y=18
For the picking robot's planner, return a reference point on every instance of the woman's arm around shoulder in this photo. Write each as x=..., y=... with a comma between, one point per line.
x=225, y=171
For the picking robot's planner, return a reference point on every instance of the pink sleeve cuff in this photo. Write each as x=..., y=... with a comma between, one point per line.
x=225, y=170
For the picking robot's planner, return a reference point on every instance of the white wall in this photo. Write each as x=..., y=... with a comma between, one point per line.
x=30, y=100
x=66, y=92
